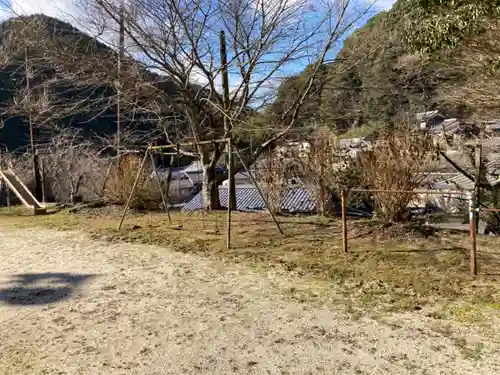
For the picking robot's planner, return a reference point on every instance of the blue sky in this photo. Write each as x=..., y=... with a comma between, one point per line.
x=68, y=11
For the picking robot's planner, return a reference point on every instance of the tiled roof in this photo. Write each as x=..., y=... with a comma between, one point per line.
x=459, y=181
x=295, y=200
x=448, y=126
x=422, y=116
x=248, y=199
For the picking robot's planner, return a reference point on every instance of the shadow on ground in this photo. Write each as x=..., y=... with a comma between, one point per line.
x=56, y=287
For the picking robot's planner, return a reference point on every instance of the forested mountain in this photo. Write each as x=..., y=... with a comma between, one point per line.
x=72, y=83
x=377, y=79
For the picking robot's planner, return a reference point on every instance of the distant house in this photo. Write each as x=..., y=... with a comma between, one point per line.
x=241, y=178
x=185, y=181
x=352, y=146
x=292, y=149
x=493, y=127
x=430, y=119
x=449, y=126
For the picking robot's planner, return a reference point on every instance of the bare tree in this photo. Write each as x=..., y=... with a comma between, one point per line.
x=266, y=40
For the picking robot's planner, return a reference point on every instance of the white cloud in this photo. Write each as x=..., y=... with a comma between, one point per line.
x=54, y=8
x=384, y=4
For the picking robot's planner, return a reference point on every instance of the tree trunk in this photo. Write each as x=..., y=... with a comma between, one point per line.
x=210, y=189
x=38, y=178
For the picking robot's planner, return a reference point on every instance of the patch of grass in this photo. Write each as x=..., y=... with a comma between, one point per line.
x=467, y=314
x=393, y=274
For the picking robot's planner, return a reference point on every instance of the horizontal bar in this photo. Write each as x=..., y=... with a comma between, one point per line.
x=410, y=191
x=489, y=209
x=169, y=153
x=222, y=140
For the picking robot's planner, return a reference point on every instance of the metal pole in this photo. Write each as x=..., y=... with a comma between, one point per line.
x=258, y=190
x=473, y=260
x=133, y=189
x=229, y=193
x=344, y=221
x=477, y=185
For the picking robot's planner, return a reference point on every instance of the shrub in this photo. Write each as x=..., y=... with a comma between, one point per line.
x=121, y=179
x=396, y=162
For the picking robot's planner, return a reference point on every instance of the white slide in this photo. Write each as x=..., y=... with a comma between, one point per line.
x=21, y=191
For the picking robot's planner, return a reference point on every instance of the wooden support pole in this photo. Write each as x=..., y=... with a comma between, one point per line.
x=473, y=255
x=344, y=220
x=160, y=187
x=258, y=190
x=106, y=176
x=129, y=199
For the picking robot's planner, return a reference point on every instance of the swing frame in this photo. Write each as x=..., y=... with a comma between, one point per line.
x=149, y=152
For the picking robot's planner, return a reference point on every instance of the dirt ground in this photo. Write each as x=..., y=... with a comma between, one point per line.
x=72, y=305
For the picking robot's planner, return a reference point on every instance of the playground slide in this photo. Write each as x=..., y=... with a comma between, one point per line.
x=21, y=191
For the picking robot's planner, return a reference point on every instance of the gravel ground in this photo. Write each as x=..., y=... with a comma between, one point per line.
x=71, y=305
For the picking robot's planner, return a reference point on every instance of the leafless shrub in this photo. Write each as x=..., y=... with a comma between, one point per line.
x=328, y=170
x=72, y=168
x=395, y=163
x=321, y=167
x=272, y=178
x=121, y=181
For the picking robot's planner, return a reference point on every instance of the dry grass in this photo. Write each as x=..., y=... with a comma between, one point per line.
x=402, y=273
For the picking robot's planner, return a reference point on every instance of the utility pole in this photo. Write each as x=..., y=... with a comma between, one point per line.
x=34, y=153
x=227, y=122
x=121, y=53
x=231, y=192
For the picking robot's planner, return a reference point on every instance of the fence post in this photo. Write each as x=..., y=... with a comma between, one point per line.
x=344, y=221
x=477, y=184
x=472, y=220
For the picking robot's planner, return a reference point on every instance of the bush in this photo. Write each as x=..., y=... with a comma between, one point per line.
x=396, y=162
x=121, y=179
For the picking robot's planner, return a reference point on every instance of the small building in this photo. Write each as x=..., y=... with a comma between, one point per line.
x=430, y=119
x=492, y=127
x=448, y=127
x=352, y=146
x=294, y=149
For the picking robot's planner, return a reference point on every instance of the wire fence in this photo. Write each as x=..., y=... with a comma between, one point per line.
x=442, y=210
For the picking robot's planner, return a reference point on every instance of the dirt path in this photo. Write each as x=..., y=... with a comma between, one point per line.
x=78, y=306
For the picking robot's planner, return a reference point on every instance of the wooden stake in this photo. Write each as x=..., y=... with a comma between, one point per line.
x=473, y=255
x=477, y=184
x=344, y=221
x=133, y=189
